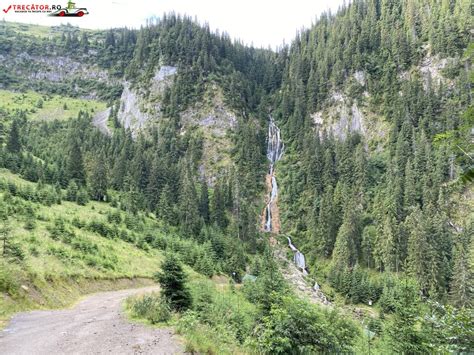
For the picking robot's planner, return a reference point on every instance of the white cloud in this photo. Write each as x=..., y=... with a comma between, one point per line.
x=261, y=22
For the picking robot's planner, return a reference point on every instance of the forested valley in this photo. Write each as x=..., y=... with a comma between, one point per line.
x=144, y=154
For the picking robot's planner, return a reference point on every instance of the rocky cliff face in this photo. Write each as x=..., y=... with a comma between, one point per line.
x=38, y=71
x=136, y=111
x=343, y=115
x=210, y=115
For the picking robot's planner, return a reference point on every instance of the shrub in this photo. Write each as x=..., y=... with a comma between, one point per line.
x=114, y=217
x=151, y=307
x=7, y=281
x=14, y=251
x=100, y=228
x=82, y=197
x=296, y=326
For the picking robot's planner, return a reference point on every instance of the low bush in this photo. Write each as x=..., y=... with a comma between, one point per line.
x=151, y=307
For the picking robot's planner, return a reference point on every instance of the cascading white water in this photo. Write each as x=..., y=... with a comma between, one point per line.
x=274, y=153
x=298, y=258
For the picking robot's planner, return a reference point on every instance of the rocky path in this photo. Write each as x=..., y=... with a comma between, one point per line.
x=295, y=277
x=96, y=325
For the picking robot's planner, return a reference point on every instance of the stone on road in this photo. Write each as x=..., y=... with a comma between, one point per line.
x=96, y=325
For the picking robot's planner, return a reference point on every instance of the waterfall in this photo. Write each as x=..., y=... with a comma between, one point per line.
x=298, y=258
x=274, y=153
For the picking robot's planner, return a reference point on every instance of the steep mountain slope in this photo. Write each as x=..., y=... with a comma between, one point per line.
x=371, y=102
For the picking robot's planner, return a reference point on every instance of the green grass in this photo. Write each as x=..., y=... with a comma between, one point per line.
x=53, y=271
x=39, y=30
x=218, y=322
x=28, y=29
x=52, y=107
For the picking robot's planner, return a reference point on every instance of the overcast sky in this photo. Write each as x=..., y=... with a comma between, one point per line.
x=261, y=22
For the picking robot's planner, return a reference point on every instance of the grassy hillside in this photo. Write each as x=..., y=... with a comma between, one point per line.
x=52, y=252
x=41, y=31
x=47, y=107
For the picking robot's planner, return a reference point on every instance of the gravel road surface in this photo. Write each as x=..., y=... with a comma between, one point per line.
x=95, y=325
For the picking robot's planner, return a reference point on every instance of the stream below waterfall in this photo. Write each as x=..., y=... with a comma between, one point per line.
x=275, y=149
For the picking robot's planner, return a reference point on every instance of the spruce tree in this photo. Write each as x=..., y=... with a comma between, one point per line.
x=218, y=215
x=165, y=208
x=188, y=206
x=172, y=280
x=13, y=143
x=72, y=190
x=403, y=335
x=462, y=284
x=75, y=166
x=325, y=231
x=98, y=179
x=347, y=246
x=204, y=202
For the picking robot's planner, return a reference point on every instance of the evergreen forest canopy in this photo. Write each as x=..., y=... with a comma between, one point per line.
x=382, y=210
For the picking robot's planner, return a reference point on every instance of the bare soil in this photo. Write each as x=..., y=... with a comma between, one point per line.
x=96, y=325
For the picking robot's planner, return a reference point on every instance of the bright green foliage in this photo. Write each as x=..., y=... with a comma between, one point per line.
x=347, y=243
x=404, y=335
x=151, y=307
x=82, y=197
x=296, y=326
x=165, y=208
x=449, y=329
x=269, y=286
x=72, y=190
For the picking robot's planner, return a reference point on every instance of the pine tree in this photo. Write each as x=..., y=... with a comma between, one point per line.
x=165, y=209
x=325, y=230
x=347, y=246
x=98, y=179
x=402, y=332
x=75, y=166
x=71, y=192
x=218, y=215
x=172, y=280
x=156, y=182
x=13, y=143
x=204, y=202
x=2, y=134
x=462, y=284
x=82, y=197
x=204, y=265
x=411, y=195
x=188, y=206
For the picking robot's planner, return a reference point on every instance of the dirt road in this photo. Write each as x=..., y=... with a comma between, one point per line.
x=96, y=325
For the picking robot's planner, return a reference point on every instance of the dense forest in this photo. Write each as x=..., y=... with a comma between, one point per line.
x=386, y=209
x=380, y=205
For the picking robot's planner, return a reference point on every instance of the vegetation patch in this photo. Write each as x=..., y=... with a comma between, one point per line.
x=47, y=106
